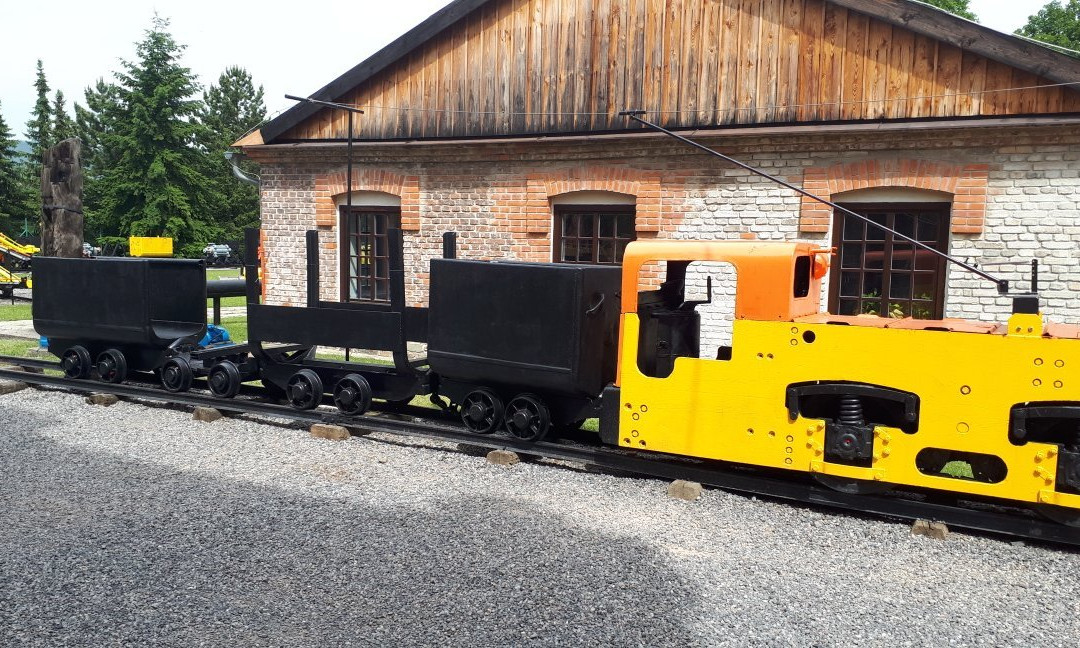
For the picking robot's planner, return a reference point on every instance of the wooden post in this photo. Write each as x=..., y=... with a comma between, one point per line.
x=61, y=200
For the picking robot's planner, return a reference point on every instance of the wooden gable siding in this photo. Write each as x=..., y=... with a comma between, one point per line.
x=563, y=66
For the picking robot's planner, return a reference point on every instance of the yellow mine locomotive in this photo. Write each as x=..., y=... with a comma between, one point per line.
x=972, y=407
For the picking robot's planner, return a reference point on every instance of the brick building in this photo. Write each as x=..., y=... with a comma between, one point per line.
x=499, y=119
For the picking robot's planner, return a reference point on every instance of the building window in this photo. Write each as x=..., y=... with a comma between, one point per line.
x=879, y=274
x=592, y=234
x=365, y=258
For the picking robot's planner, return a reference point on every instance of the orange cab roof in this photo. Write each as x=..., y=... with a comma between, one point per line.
x=765, y=273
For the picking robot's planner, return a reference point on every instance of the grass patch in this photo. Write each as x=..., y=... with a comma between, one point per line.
x=18, y=311
x=958, y=469
x=223, y=273
x=237, y=328
x=19, y=348
x=226, y=302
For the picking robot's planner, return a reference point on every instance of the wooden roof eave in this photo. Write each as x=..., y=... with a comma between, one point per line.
x=371, y=66
x=253, y=143
x=942, y=25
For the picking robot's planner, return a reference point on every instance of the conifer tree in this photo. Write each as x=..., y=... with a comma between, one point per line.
x=155, y=185
x=93, y=124
x=12, y=186
x=39, y=128
x=62, y=126
x=231, y=108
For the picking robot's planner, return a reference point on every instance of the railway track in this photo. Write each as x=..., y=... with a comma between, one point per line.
x=971, y=515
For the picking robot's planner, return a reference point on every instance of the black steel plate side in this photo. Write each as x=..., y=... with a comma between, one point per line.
x=650, y=464
x=356, y=329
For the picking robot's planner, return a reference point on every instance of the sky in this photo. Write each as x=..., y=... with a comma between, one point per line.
x=292, y=47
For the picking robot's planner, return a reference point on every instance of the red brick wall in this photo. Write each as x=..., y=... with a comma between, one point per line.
x=329, y=186
x=967, y=182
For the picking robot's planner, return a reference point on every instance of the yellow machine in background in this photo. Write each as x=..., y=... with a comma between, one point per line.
x=9, y=282
x=150, y=246
x=8, y=244
x=861, y=403
x=14, y=255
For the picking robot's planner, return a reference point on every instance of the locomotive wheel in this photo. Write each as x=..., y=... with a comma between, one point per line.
x=527, y=418
x=224, y=379
x=482, y=411
x=852, y=486
x=176, y=375
x=112, y=366
x=305, y=390
x=76, y=362
x=352, y=394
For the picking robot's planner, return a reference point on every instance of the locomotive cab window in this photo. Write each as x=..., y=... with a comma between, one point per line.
x=592, y=233
x=365, y=253
x=690, y=314
x=880, y=274
x=803, y=266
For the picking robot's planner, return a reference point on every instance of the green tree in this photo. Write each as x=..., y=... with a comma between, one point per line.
x=13, y=187
x=155, y=185
x=39, y=128
x=1057, y=24
x=231, y=108
x=93, y=125
x=62, y=126
x=958, y=7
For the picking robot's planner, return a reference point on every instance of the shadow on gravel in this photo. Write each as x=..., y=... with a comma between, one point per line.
x=95, y=550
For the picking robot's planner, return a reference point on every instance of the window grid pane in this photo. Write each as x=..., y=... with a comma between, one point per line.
x=880, y=274
x=593, y=235
x=367, y=266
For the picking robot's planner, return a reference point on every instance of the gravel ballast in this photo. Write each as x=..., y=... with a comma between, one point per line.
x=134, y=525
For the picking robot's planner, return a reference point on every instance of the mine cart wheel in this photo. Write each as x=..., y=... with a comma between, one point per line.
x=352, y=394
x=76, y=362
x=852, y=486
x=527, y=418
x=112, y=366
x=176, y=375
x=305, y=390
x=224, y=379
x=482, y=411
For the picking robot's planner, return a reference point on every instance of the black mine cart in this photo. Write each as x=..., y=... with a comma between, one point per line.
x=523, y=345
x=116, y=315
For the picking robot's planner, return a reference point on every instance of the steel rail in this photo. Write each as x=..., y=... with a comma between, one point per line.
x=711, y=473
x=29, y=363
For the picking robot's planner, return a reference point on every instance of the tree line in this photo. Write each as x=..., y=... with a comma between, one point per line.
x=154, y=144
